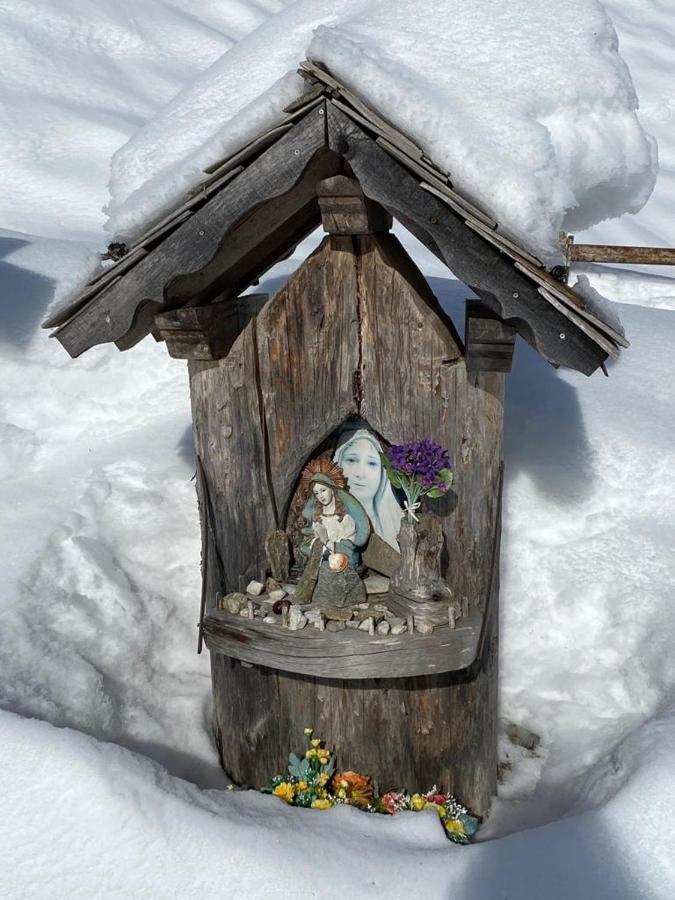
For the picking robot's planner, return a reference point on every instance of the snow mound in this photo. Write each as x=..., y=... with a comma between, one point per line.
x=529, y=106
x=125, y=828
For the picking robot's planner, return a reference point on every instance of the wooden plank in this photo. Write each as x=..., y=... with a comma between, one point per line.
x=348, y=654
x=578, y=305
x=304, y=99
x=258, y=143
x=617, y=253
x=471, y=258
x=419, y=167
x=489, y=341
x=503, y=243
x=608, y=346
x=195, y=243
x=229, y=438
x=394, y=134
x=461, y=206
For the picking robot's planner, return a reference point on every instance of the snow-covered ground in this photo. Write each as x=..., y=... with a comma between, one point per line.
x=100, y=544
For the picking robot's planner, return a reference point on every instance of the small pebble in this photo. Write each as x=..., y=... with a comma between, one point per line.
x=367, y=624
x=233, y=603
x=278, y=594
x=424, y=627
x=254, y=588
x=271, y=585
x=271, y=620
x=352, y=624
x=333, y=625
x=394, y=621
x=383, y=628
x=399, y=629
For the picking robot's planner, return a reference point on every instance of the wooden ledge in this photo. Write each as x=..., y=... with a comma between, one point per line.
x=345, y=654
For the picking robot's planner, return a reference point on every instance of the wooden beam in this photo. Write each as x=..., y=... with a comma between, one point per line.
x=207, y=332
x=617, y=253
x=474, y=260
x=346, y=210
x=489, y=340
x=110, y=315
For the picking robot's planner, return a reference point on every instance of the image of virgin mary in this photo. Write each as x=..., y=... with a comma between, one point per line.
x=359, y=458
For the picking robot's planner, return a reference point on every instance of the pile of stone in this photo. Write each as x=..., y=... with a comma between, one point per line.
x=272, y=603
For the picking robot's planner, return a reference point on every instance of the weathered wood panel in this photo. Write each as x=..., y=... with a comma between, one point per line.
x=227, y=420
x=308, y=347
x=415, y=385
x=346, y=654
x=109, y=316
x=489, y=273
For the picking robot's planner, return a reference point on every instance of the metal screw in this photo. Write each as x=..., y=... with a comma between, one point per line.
x=562, y=335
x=321, y=112
x=296, y=152
x=515, y=295
x=433, y=220
x=201, y=234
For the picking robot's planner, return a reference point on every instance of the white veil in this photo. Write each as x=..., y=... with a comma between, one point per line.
x=387, y=512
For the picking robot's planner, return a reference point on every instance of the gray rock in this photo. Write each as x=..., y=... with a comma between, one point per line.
x=352, y=623
x=383, y=627
x=337, y=589
x=334, y=625
x=394, y=621
x=376, y=584
x=288, y=587
x=339, y=615
x=522, y=737
x=243, y=613
x=368, y=613
x=271, y=584
x=233, y=603
x=296, y=619
x=313, y=615
x=278, y=594
x=424, y=627
x=399, y=629
x=254, y=588
x=368, y=625
x=271, y=620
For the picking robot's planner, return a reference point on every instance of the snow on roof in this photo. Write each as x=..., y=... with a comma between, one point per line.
x=528, y=106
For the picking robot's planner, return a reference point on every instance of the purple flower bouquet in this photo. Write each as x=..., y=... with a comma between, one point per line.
x=419, y=469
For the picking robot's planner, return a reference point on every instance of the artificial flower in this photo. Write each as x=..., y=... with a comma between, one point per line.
x=322, y=803
x=309, y=731
x=353, y=788
x=315, y=742
x=285, y=791
x=418, y=802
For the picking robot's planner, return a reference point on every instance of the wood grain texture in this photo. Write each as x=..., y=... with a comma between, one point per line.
x=472, y=259
x=227, y=420
x=308, y=346
x=345, y=654
x=109, y=316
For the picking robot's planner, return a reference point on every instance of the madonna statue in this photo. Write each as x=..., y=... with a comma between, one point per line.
x=336, y=530
x=359, y=459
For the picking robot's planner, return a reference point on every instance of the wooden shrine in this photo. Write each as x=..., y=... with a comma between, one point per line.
x=354, y=342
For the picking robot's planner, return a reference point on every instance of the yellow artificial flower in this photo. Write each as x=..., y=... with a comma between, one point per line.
x=315, y=742
x=323, y=778
x=301, y=786
x=309, y=731
x=310, y=754
x=441, y=810
x=285, y=791
x=418, y=802
x=454, y=826
x=322, y=803
x=324, y=756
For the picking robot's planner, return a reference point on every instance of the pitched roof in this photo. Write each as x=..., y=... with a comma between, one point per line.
x=263, y=198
